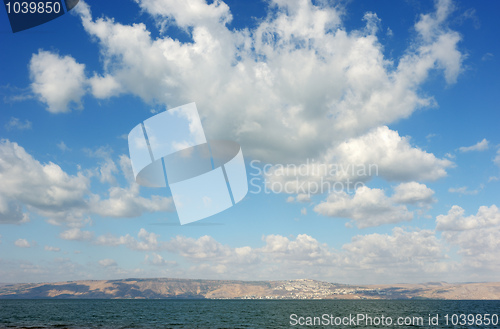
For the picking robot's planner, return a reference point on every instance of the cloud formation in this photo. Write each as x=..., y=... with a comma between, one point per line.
x=479, y=146
x=369, y=207
x=403, y=254
x=297, y=73
x=58, y=81
x=46, y=189
x=476, y=236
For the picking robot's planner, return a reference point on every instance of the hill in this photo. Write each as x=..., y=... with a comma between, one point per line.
x=231, y=289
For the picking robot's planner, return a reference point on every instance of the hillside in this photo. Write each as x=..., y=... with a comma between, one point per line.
x=224, y=289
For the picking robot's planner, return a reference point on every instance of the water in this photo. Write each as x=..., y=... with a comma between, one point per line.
x=79, y=314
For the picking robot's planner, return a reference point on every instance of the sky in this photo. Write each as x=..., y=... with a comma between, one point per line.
x=369, y=131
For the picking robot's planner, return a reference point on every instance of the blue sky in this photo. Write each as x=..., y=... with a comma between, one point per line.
x=408, y=88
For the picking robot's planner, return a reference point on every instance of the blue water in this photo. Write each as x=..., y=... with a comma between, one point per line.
x=53, y=313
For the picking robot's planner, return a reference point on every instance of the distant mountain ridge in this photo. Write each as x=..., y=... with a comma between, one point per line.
x=161, y=288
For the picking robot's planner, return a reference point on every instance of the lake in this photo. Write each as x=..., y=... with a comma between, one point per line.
x=171, y=313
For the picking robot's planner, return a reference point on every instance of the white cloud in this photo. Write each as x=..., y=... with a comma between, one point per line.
x=57, y=80
x=63, y=198
x=402, y=256
x=122, y=201
x=104, y=87
x=413, y=193
x=107, y=171
x=371, y=207
x=145, y=241
x=107, y=262
x=381, y=152
x=479, y=146
x=17, y=124
x=203, y=248
x=22, y=243
x=367, y=207
x=76, y=234
x=302, y=249
x=189, y=12
x=411, y=255
x=455, y=220
x=50, y=248
x=439, y=43
x=393, y=155
x=45, y=188
x=296, y=73
x=126, y=202
x=157, y=260
x=476, y=237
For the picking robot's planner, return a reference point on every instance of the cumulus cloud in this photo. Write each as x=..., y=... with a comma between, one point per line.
x=190, y=12
x=401, y=255
x=45, y=188
x=410, y=254
x=367, y=207
x=456, y=221
x=379, y=153
x=205, y=247
x=295, y=256
x=413, y=193
x=22, y=243
x=302, y=249
x=479, y=146
x=393, y=155
x=62, y=198
x=297, y=73
x=58, y=81
x=104, y=87
x=476, y=236
x=126, y=202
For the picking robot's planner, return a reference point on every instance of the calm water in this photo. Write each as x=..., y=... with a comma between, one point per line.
x=243, y=313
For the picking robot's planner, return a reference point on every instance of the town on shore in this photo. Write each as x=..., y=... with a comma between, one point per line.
x=160, y=288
